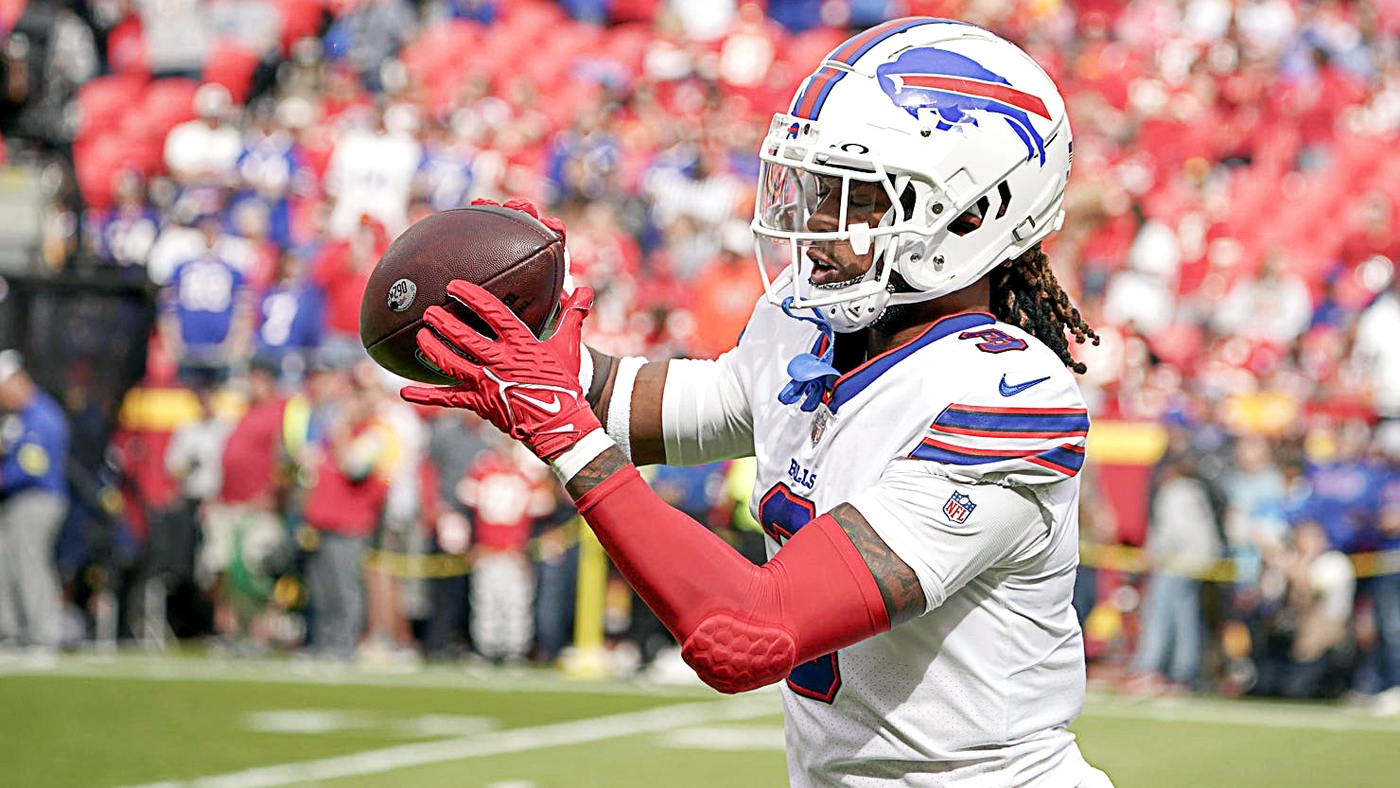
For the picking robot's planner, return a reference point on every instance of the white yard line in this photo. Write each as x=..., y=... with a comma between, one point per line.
x=1243, y=713
x=484, y=679
x=560, y=734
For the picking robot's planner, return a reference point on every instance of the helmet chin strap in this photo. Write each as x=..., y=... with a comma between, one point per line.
x=852, y=316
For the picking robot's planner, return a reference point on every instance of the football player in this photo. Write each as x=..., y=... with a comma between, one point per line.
x=906, y=388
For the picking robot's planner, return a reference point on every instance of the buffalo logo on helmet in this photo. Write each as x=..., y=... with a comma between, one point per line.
x=951, y=86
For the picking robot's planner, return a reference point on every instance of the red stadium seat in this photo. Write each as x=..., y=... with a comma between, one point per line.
x=167, y=103
x=534, y=15
x=96, y=162
x=300, y=19
x=809, y=47
x=441, y=50
x=102, y=102
x=231, y=65
x=626, y=44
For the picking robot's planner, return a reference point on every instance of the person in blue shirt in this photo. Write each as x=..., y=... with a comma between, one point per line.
x=1385, y=591
x=124, y=234
x=206, y=318
x=290, y=316
x=33, y=503
x=1340, y=496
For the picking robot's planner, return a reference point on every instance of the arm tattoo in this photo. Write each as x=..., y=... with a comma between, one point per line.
x=899, y=586
x=604, y=465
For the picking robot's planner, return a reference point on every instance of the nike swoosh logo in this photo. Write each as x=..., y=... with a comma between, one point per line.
x=1011, y=391
x=558, y=430
x=552, y=406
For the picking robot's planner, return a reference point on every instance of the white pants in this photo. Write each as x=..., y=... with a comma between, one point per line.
x=502, y=598
x=29, y=524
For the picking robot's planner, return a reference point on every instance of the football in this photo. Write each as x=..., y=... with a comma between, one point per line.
x=508, y=252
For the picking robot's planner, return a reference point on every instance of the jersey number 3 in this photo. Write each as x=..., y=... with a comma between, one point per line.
x=782, y=513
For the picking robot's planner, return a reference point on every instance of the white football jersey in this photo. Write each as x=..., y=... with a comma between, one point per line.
x=962, y=449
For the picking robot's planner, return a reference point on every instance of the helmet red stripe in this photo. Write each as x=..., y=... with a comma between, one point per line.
x=971, y=87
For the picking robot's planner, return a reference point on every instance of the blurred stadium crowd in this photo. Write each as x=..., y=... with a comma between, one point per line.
x=1231, y=234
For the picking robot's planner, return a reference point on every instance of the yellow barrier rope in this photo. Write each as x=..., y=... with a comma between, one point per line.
x=1123, y=558
x=433, y=566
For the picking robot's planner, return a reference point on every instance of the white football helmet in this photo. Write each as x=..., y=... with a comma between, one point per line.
x=948, y=118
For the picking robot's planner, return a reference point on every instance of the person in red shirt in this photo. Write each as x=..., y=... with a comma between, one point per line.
x=723, y=298
x=504, y=493
x=343, y=507
x=243, y=520
x=341, y=271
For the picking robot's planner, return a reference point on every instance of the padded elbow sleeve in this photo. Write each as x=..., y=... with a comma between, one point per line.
x=740, y=626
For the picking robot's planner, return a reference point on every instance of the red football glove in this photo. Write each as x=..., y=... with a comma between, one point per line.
x=521, y=204
x=529, y=389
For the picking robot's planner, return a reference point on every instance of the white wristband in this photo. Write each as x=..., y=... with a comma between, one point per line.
x=585, y=368
x=620, y=404
x=577, y=457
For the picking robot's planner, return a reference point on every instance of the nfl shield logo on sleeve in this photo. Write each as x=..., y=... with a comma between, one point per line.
x=959, y=507
x=819, y=422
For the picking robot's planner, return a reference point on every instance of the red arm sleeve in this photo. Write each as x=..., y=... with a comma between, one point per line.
x=740, y=626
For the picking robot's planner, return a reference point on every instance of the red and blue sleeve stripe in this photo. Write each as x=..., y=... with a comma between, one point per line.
x=984, y=422
x=1066, y=458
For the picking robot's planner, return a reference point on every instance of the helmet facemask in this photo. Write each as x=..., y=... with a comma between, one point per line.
x=814, y=205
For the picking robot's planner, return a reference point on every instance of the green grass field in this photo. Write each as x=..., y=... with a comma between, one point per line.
x=164, y=723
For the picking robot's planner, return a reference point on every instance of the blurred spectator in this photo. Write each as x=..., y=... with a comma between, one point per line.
x=556, y=570
x=178, y=36
x=254, y=24
x=1385, y=590
x=724, y=294
x=1340, y=485
x=504, y=492
x=242, y=523
x=1305, y=652
x=47, y=55
x=1378, y=351
x=1275, y=307
x=1255, y=518
x=1143, y=295
x=455, y=438
x=194, y=456
x=290, y=318
x=205, y=151
x=393, y=601
x=1183, y=544
x=206, y=317
x=305, y=422
x=341, y=270
x=124, y=234
x=371, y=172
x=369, y=33
x=194, y=461
x=33, y=502
x=270, y=166
x=444, y=177
x=182, y=238
x=344, y=505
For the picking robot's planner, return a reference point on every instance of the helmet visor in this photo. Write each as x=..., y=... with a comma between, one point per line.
x=789, y=197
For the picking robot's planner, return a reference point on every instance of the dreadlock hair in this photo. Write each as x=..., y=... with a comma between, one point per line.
x=1026, y=294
